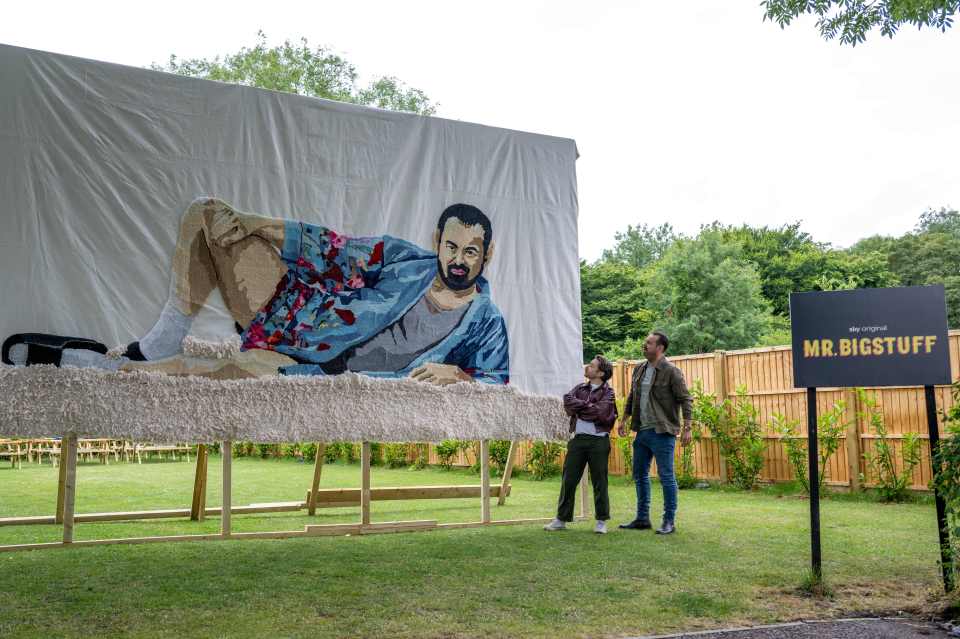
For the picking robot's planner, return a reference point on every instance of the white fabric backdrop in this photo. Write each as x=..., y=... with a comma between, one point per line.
x=98, y=161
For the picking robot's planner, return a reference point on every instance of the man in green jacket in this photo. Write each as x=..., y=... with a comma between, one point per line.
x=658, y=394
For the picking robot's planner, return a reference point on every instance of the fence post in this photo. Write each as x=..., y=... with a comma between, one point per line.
x=852, y=415
x=720, y=375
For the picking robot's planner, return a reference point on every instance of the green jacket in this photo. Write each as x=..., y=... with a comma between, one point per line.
x=668, y=393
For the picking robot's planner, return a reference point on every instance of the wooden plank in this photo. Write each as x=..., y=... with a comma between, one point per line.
x=332, y=529
x=485, y=480
x=585, y=493
x=397, y=526
x=198, y=506
x=507, y=471
x=315, y=486
x=720, y=373
x=365, y=484
x=61, y=482
x=853, y=438
x=226, y=449
x=27, y=521
x=69, y=459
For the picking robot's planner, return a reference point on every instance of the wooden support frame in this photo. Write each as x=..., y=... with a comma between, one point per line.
x=365, y=484
x=507, y=472
x=585, y=493
x=227, y=504
x=69, y=460
x=485, y=481
x=332, y=497
x=315, y=486
x=198, y=507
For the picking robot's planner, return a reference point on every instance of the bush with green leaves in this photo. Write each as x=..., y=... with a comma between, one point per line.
x=830, y=432
x=891, y=484
x=736, y=429
x=686, y=472
x=395, y=455
x=499, y=451
x=447, y=451
x=544, y=460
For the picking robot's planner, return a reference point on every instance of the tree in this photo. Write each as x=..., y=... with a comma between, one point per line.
x=788, y=261
x=930, y=254
x=707, y=297
x=640, y=246
x=296, y=68
x=612, y=307
x=851, y=20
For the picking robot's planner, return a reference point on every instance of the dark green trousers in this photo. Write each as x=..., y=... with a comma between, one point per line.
x=584, y=450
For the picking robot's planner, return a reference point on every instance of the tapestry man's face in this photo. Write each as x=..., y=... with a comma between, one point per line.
x=460, y=254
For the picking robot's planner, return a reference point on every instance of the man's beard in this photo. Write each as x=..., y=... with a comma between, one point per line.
x=457, y=282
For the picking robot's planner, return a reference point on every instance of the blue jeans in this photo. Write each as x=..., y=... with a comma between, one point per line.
x=647, y=446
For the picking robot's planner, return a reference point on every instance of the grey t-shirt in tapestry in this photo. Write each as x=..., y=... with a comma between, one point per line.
x=646, y=415
x=420, y=329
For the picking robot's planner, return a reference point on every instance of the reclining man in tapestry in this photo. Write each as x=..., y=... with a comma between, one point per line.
x=308, y=301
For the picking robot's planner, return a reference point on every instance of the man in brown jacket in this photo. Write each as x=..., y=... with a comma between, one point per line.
x=593, y=412
x=658, y=393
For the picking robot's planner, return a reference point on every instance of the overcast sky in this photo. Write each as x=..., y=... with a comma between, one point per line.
x=683, y=112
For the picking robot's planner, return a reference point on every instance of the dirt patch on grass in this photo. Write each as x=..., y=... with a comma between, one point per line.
x=853, y=599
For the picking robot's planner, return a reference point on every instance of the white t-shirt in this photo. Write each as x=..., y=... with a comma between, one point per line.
x=589, y=428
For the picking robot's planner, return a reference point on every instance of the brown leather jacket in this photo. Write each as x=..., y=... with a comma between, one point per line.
x=598, y=406
x=668, y=397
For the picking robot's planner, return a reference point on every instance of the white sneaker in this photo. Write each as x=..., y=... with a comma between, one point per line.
x=556, y=524
x=600, y=528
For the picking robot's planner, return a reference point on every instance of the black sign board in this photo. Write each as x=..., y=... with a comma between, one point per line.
x=870, y=337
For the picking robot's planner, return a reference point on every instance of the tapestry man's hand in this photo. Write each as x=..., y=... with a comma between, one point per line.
x=227, y=227
x=440, y=374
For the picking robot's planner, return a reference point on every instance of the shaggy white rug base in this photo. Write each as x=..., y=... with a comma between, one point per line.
x=43, y=401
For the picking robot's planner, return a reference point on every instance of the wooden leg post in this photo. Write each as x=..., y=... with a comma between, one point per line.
x=69, y=460
x=585, y=493
x=485, y=481
x=227, y=502
x=199, y=504
x=507, y=471
x=61, y=484
x=365, y=484
x=315, y=486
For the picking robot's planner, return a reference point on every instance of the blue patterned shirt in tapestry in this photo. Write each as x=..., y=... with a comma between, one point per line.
x=340, y=293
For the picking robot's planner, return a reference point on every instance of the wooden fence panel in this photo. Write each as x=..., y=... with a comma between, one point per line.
x=766, y=374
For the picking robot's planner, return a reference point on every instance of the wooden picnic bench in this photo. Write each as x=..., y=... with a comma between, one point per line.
x=14, y=450
x=142, y=448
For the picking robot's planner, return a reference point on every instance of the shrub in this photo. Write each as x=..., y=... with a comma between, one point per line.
x=309, y=451
x=736, y=429
x=422, y=457
x=544, y=459
x=499, y=451
x=446, y=452
x=686, y=474
x=395, y=455
x=830, y=431
x=891, y=485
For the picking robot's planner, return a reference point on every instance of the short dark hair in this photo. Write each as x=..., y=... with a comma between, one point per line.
x=662, y=340
x=606, y=367
x=468, y=215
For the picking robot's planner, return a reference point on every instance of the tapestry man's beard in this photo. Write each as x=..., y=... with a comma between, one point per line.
x=457, y=276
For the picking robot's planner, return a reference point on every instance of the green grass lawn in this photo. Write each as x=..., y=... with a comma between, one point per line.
x=737, y=558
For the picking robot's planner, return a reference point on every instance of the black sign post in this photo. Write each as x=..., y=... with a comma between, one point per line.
x=946, y=558
x=870, y=337
x=814, y=474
